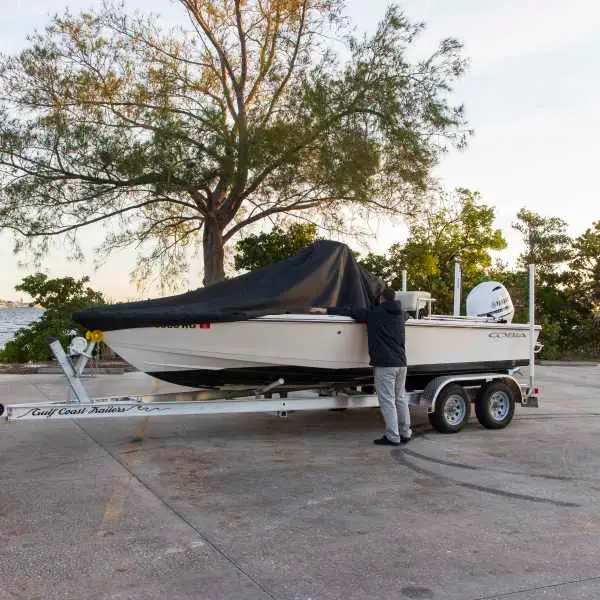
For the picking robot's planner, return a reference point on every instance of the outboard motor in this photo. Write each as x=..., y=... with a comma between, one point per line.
x=490, y=299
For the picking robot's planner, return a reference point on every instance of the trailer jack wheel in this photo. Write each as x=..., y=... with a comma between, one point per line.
x=452, y=409
x=495, y=405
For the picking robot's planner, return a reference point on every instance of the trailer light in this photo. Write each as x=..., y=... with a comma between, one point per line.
x=94, y=336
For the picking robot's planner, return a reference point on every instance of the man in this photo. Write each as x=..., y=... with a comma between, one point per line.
x=385, y=331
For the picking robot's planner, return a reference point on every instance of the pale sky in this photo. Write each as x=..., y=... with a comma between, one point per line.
x=531, y=93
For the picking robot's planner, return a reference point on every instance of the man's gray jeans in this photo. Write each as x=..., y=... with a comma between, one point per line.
x=393, y=402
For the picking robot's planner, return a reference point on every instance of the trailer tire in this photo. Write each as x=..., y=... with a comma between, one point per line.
x=495, y=405
x=452, y=409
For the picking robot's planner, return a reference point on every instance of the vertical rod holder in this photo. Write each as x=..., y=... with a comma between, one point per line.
x=457, y=288
x=531, y=328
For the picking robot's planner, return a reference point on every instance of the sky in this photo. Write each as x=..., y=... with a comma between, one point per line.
x=531, y=94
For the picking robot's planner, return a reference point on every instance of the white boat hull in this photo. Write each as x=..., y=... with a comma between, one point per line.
x=311, y=349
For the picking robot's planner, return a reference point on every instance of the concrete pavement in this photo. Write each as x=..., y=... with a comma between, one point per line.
x=256, y=507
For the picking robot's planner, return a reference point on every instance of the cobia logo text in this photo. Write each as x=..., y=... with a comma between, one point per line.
x=497, y=335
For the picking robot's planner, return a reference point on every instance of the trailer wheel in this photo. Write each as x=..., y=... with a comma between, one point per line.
x=495, y=405
x=452, y=408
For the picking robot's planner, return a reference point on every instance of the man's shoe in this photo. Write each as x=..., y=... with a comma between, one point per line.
x=383, y=441
x=405, y=440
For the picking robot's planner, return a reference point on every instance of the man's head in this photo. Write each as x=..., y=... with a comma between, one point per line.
x=388, y=294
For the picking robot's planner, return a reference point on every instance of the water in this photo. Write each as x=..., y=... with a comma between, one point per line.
x=13, y=319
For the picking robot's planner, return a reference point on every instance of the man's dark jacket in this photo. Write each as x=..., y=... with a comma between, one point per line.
x=385, y=330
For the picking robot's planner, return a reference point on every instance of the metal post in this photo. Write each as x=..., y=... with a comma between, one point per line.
x=84, y=357
x=531, y=328
x=457, y=287
x=404, y=280
x=78, y=391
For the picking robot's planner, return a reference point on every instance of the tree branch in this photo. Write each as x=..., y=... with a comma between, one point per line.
x=243, y=52
x=271, y=211
x=225, y=64
x=265, y=62
x=149, y=231
x=80, y=224
x=200, y=201
x=292, y=63
x=302, y=144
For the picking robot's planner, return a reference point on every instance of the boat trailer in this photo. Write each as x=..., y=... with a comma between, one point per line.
x=447, y=398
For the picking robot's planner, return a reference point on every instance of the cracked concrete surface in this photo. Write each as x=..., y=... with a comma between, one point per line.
x=254, y=507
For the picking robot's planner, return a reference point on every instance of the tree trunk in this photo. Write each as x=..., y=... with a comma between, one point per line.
x=214, y=255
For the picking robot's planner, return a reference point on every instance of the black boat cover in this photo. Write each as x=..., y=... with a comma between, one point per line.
x=322, y=274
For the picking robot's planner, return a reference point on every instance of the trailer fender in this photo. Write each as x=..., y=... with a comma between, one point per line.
x=435, y=386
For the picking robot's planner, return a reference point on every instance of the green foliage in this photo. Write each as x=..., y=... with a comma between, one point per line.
x=547, y=244
x=380, y=266
x=60, y=297
x=259, y=250
x=585, y=265
x=564, y=285
x=184, y=137
x=453, y=227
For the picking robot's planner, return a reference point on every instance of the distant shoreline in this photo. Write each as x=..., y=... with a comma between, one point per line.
x=8, y=304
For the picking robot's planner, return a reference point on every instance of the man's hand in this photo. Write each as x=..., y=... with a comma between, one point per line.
x=318, y=311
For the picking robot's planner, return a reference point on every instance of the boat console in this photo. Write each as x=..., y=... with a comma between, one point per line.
x=414, y=302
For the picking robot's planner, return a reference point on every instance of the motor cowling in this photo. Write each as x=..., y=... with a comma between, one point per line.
x=490, y=299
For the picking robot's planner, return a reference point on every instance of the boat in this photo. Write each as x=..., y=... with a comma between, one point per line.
x=313, y=351
x=256, y=329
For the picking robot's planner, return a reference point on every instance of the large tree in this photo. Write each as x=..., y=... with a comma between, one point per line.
x=245, y=111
